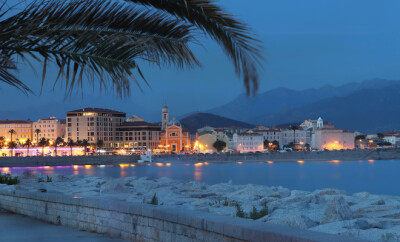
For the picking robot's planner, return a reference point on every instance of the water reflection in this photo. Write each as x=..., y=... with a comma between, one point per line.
x=376, y=177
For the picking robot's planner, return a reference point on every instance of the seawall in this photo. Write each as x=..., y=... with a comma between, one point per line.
x=66, y=160
x=384, y=154
x=143, y=222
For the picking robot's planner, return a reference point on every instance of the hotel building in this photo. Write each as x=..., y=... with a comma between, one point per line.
x=248, y=141
x=138, y=135
x=333, y=139
x=50, y=128
x=94, y=124
x=22, y=128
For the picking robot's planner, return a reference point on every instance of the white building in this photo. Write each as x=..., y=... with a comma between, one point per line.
x=270, y=135
x=50, y=128
x=333, y=139
x=248, y=141
x=298, y=136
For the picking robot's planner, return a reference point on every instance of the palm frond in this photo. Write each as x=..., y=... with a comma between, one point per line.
x=234, y=36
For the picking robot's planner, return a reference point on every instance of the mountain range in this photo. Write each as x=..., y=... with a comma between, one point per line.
x=368, y=106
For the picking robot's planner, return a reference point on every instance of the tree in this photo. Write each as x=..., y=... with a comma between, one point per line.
x=85, y=144
x=12, y=132
x=266, y=144
x=294, y=128
x=12, y=145
x=360, y=137
x=107, y=39
x=43, y=142
x=380, y=135
x=27, y=143
x=219, y=145
x=275, y=145
x=37, y=131
x=58, y=141
x=2, y=142
x=99, y=143
x=71, y=144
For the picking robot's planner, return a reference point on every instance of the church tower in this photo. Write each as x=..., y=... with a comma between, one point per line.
x=164, y=117
x=320, y=123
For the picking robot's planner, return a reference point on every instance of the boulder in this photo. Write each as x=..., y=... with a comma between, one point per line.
x=337, y=210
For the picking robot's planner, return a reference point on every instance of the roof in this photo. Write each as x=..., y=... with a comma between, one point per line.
x=15, y=121
x=98, y=110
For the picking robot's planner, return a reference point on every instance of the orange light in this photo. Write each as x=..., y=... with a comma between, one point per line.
x=123, y=165
x=205, y=163
x=168, y=164
x=371, y=161
x=159, y=164
x=300, y=161
x=88, y=166
x=6, y=170
x=198, y=164
x=270, y=162
x=240, y=162
x=335, y=161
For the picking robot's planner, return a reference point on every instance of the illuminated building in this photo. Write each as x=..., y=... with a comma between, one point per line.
x=333, y=139
x=50, y=128
x=248, y=141
x=173, y=137
x=94, y=124
x=138, y=135
x=22, y=128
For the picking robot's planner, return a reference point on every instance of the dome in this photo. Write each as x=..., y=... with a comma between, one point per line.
x=174, y=122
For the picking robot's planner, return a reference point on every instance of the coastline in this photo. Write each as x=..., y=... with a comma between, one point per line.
x=345, y=155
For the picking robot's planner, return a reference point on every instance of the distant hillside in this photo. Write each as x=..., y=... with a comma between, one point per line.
x=367, y=110
x=199, y=120
x=249, y=109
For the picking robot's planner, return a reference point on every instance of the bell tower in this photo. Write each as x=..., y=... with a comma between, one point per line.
x=164, y=117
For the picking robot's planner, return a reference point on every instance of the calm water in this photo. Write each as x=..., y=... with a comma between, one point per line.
x=379, y=177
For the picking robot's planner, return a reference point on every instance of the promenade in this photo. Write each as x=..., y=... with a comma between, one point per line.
x=15, y=228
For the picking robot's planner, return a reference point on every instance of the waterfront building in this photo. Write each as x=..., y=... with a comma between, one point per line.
x=333, y=139
x=138, y=136
x=174, y=138
x=316, y=124
x=50, y=128
x=22, y=128
x=269, y=134
x=94, y=124
x=299, y=136
x=248, y=141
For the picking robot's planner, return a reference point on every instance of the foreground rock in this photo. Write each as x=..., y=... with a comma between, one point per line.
x=371, y=217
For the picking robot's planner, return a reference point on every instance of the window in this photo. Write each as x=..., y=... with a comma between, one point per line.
x=173, y=134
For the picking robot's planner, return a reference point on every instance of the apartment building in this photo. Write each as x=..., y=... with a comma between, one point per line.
x=22, y=128
x=299, y=136
x=248, y=141
x=333, y=139
x=49, y=128
x=138, y=135
x=94, y=124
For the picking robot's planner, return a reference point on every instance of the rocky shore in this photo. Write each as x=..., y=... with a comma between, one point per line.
x=363, y=215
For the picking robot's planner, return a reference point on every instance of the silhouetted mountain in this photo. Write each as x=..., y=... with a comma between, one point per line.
x=367, y=110
x=200, y=120
x=248, y=109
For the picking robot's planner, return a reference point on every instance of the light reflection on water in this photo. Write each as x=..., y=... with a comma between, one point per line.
x=374, y=176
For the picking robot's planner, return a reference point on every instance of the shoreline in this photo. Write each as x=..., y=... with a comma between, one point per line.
x=323, y=156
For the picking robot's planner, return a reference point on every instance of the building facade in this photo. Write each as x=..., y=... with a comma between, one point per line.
x=50, y=128
x=22, y=128
x=299, y=136
x=333, y=139
x=138, y=136
x=174, y=138
x=248, y=142
x=94, y=124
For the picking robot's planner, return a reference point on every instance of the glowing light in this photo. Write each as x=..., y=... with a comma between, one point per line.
x=168, y=164
x=335, y=161
x=123, y=165
x=270, y=162
x=102, y=166
x=76, y=167
x=240, y=162
x=205, y=163
x=132, y=165
x=76, y=197
x=88, y=166
x=159, y=164
x=6, y=169
x=371, y=161
x=300, y=161
x=198, y=164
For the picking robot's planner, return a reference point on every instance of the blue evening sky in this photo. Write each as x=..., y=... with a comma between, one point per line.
x=308, y=43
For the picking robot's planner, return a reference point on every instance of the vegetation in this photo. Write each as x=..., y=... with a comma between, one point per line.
x=12, y=145
x=360, y=137
x=12, y=132
x=2, y=142
x=49, y=179
x=239, y=211
x=219, y=145
x=104, y=40
x=85, y=144
x=99, y=144
x=58, y=141
x=266, y=144
x=254, y=214
x=37, y=131
x=43, y=142
x=294, y=128
x=8, y=179
x=71, y=144
x=27, y=143
x=154, y=200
